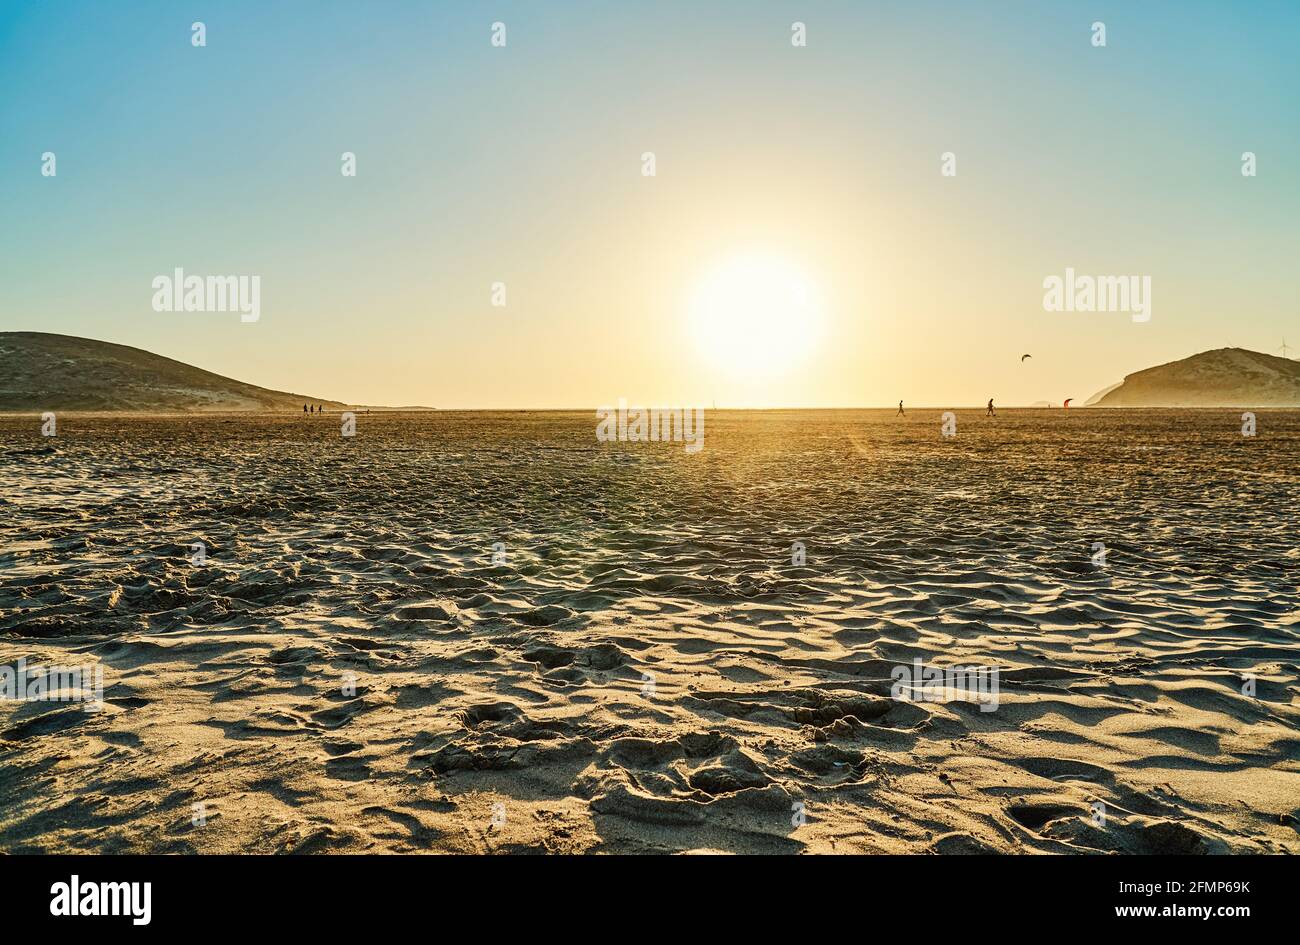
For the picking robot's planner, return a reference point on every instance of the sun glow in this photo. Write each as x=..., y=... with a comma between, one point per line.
x=755, y=315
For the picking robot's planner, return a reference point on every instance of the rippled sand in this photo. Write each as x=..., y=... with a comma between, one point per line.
x=647, y=670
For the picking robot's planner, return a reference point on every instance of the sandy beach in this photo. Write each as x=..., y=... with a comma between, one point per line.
x=488, y=632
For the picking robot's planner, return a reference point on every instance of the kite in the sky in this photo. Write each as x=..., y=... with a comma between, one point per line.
x=1067, y=402
x=1023, y=356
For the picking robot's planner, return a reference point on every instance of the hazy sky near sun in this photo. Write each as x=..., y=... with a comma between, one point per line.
x=523, y=165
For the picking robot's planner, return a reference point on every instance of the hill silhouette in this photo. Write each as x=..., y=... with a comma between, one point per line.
x=42, y=371
x=1224, y=377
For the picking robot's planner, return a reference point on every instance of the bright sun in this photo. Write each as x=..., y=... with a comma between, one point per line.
x=755, y=315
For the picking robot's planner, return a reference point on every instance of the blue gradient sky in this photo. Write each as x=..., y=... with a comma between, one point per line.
x=522, y=164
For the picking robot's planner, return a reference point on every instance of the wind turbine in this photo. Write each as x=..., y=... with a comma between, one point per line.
x=1285, y=348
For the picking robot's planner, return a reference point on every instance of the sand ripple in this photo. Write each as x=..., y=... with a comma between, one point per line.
x=647, y=670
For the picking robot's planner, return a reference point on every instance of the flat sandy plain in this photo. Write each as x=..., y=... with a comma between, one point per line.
x=647, y=671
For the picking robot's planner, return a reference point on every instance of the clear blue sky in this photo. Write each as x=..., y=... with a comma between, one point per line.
x=522, y=164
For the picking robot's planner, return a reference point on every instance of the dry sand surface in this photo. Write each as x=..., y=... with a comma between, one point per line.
x=647, y=671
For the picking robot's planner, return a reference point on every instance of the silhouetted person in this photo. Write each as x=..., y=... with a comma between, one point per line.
x=991, y=413
x=304, y=408
x=900, y=409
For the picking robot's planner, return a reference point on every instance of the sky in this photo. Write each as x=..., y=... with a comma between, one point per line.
x=815, y=169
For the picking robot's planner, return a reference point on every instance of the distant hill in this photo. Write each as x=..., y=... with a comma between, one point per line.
x=1225, y=377
x=40, y=371
x=1095, y=398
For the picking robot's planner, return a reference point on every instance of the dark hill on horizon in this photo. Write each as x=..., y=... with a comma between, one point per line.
x=42, y=371
x=1224, y=377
